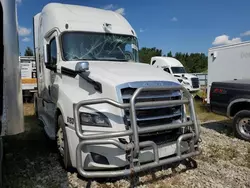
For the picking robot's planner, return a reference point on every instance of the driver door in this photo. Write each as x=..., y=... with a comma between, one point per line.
x=49, y=94
x=50, y=66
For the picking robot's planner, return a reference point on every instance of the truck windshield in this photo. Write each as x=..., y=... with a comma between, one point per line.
x=178, y=70
x=99, y=46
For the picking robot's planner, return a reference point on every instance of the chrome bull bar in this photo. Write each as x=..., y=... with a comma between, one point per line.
x=134, y=146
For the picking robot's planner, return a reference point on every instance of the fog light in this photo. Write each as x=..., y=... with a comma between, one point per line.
x=100, y=159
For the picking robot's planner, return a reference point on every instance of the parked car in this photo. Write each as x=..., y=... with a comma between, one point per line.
x=232, y=98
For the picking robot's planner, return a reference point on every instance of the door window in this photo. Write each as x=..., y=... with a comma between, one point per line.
x=52, y=52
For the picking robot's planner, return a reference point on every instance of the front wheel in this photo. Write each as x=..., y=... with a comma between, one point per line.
x=62, y=144
x=241, y=125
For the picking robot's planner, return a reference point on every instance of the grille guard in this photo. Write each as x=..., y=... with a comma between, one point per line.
x=134, y=146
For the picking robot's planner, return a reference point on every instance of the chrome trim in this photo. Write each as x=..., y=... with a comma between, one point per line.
x=138, y=84
x=128, y=96
x=157, y=117
x=155, y=107
x=144, y=84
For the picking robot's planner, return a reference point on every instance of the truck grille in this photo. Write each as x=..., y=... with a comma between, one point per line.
x=150, y=116
x=195, y=82
x=161, y=137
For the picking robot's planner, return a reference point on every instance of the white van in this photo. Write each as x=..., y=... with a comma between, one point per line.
x=110, y=115
x=174, y=67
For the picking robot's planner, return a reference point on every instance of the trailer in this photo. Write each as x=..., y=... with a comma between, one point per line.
x=28, y=75
x=228, y=62
x=11, y=106
x=109, y=115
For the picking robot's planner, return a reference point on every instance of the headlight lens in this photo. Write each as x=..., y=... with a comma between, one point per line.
x=97, y=119
x=186, y=83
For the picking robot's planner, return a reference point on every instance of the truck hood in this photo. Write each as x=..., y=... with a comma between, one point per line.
x=187, y=75
x=116, y=73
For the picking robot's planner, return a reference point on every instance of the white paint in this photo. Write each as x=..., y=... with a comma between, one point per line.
x=170, y=62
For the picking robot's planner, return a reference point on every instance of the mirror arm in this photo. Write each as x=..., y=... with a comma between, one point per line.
x=51, y=67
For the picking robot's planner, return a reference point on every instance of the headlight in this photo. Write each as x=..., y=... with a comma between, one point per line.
x=97, y=119
x=186, y=83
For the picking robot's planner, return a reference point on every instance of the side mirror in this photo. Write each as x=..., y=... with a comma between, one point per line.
x=46, y=59
x=51, y=67
x=82, y=67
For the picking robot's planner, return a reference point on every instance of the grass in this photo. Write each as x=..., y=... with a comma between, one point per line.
x=28, y=109
x=23, y=154
x=204, y=114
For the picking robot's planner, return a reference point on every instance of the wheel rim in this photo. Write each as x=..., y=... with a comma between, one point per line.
x=244, y=127
x=60, y=142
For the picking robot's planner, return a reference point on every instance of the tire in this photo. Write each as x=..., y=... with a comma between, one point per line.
x=241, y=125
x=62, y=144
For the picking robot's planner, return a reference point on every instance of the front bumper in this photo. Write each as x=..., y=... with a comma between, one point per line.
x=134, y=149
x=191, y=89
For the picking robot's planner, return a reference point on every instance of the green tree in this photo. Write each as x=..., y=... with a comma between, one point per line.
x=28, y=52
x=194, y=62
x=146, y=54
x=170, y=54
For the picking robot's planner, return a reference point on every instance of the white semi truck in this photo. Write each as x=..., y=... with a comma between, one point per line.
x=110, y=115
x=174, y=67
x=11, y=107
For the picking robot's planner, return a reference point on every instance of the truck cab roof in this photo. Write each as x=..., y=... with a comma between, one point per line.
x=165, y=61
x=81, y=18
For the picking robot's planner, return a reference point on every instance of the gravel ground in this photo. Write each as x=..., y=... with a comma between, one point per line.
x=31, y=162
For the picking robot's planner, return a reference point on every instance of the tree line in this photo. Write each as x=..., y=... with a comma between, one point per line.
x=193, y=62
x=28, y=52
